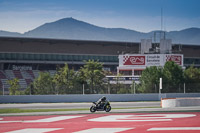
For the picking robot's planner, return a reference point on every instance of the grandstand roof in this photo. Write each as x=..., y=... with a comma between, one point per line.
x=44, y=45
x=64, y=46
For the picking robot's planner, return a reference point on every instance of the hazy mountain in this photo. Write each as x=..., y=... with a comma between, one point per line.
x=69, y=28
x=12, y=34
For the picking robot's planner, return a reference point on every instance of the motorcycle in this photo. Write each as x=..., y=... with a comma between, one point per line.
x=96, y=107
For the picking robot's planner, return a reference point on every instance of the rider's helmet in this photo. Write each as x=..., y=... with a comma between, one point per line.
x=103, y=98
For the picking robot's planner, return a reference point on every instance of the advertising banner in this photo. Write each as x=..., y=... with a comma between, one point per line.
x=176, y=58
x=154, y=60
x=134, y=60
x=146, y=60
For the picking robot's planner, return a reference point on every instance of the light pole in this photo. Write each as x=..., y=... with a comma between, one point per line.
x=3, y=89
x=83, y=89
x=184, y=88
x=160, y=86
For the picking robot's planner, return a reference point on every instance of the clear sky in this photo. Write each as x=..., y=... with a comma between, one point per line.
x=141, y=15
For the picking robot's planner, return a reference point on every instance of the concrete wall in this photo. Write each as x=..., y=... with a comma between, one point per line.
x=90, y=98
x=180, y=102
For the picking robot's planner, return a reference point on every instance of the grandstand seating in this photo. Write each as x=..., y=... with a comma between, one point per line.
x=2, y=75
x=17, y=74
x=9, y=74
x=22, y=83
x=26, y=77
x=30, y=73
x=4, y=83
x=36, y=73
x=28, y=81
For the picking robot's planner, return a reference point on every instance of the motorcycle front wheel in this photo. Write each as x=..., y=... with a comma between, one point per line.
x=108, y=108
x=92, y=109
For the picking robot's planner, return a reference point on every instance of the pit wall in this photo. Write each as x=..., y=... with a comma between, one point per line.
x=91, y=97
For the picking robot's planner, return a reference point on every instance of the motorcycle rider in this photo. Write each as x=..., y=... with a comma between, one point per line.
x=101, y=102
x=101, y=105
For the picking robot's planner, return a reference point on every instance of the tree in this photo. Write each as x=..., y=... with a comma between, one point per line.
x=14, y=86
x=192, y=79
x=63, y=80
x=150, y=79
x=172, y=77
x=43, y=84
x=81, y=78
x=119, y=87
x=30, y=89
x=94, y=74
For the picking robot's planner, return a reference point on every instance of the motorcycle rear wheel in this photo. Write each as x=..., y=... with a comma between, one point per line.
x=92, y=109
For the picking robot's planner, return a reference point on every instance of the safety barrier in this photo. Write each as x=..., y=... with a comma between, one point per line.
x=180, y=102
x=90, y=97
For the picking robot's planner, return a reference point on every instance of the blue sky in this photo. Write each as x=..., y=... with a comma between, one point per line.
x=141, y=15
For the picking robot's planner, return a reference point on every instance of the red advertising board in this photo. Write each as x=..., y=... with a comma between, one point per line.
x=133, y=60
x=176, y=58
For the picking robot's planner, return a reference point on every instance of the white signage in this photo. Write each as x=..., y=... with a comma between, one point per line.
x=14, y=67
x=153, y=60
x=146, y=60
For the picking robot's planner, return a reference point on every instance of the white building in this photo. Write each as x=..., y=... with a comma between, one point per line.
x=131, y=65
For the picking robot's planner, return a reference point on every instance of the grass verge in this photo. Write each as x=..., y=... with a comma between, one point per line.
x=15, y=110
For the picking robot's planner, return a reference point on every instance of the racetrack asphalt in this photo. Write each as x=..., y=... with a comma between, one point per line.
x=117, y=107
x=165, y=122
x=77, y=105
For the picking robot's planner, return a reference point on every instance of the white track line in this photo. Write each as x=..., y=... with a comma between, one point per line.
x=104, y=130
x=35, y=130
x=173, y=128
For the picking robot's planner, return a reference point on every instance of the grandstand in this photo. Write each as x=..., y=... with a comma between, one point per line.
x=24, y=58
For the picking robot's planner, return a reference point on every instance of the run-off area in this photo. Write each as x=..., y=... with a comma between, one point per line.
x=106, y=123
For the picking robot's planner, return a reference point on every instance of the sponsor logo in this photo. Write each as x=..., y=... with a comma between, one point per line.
x=176, y=58
x=134, y=60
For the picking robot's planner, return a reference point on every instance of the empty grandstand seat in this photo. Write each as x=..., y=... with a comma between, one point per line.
x=9, y=74
x=2, y=75
x=30, y=72
x=18, y=74
x=26, y=75
x=36, y=73
x=22, y=83
x=5, y=83
x=28, y=81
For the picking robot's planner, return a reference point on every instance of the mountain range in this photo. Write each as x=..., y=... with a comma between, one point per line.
x=70, y=28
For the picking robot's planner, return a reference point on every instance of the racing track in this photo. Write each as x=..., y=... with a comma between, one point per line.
x=78, y=105
x=185, y=122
